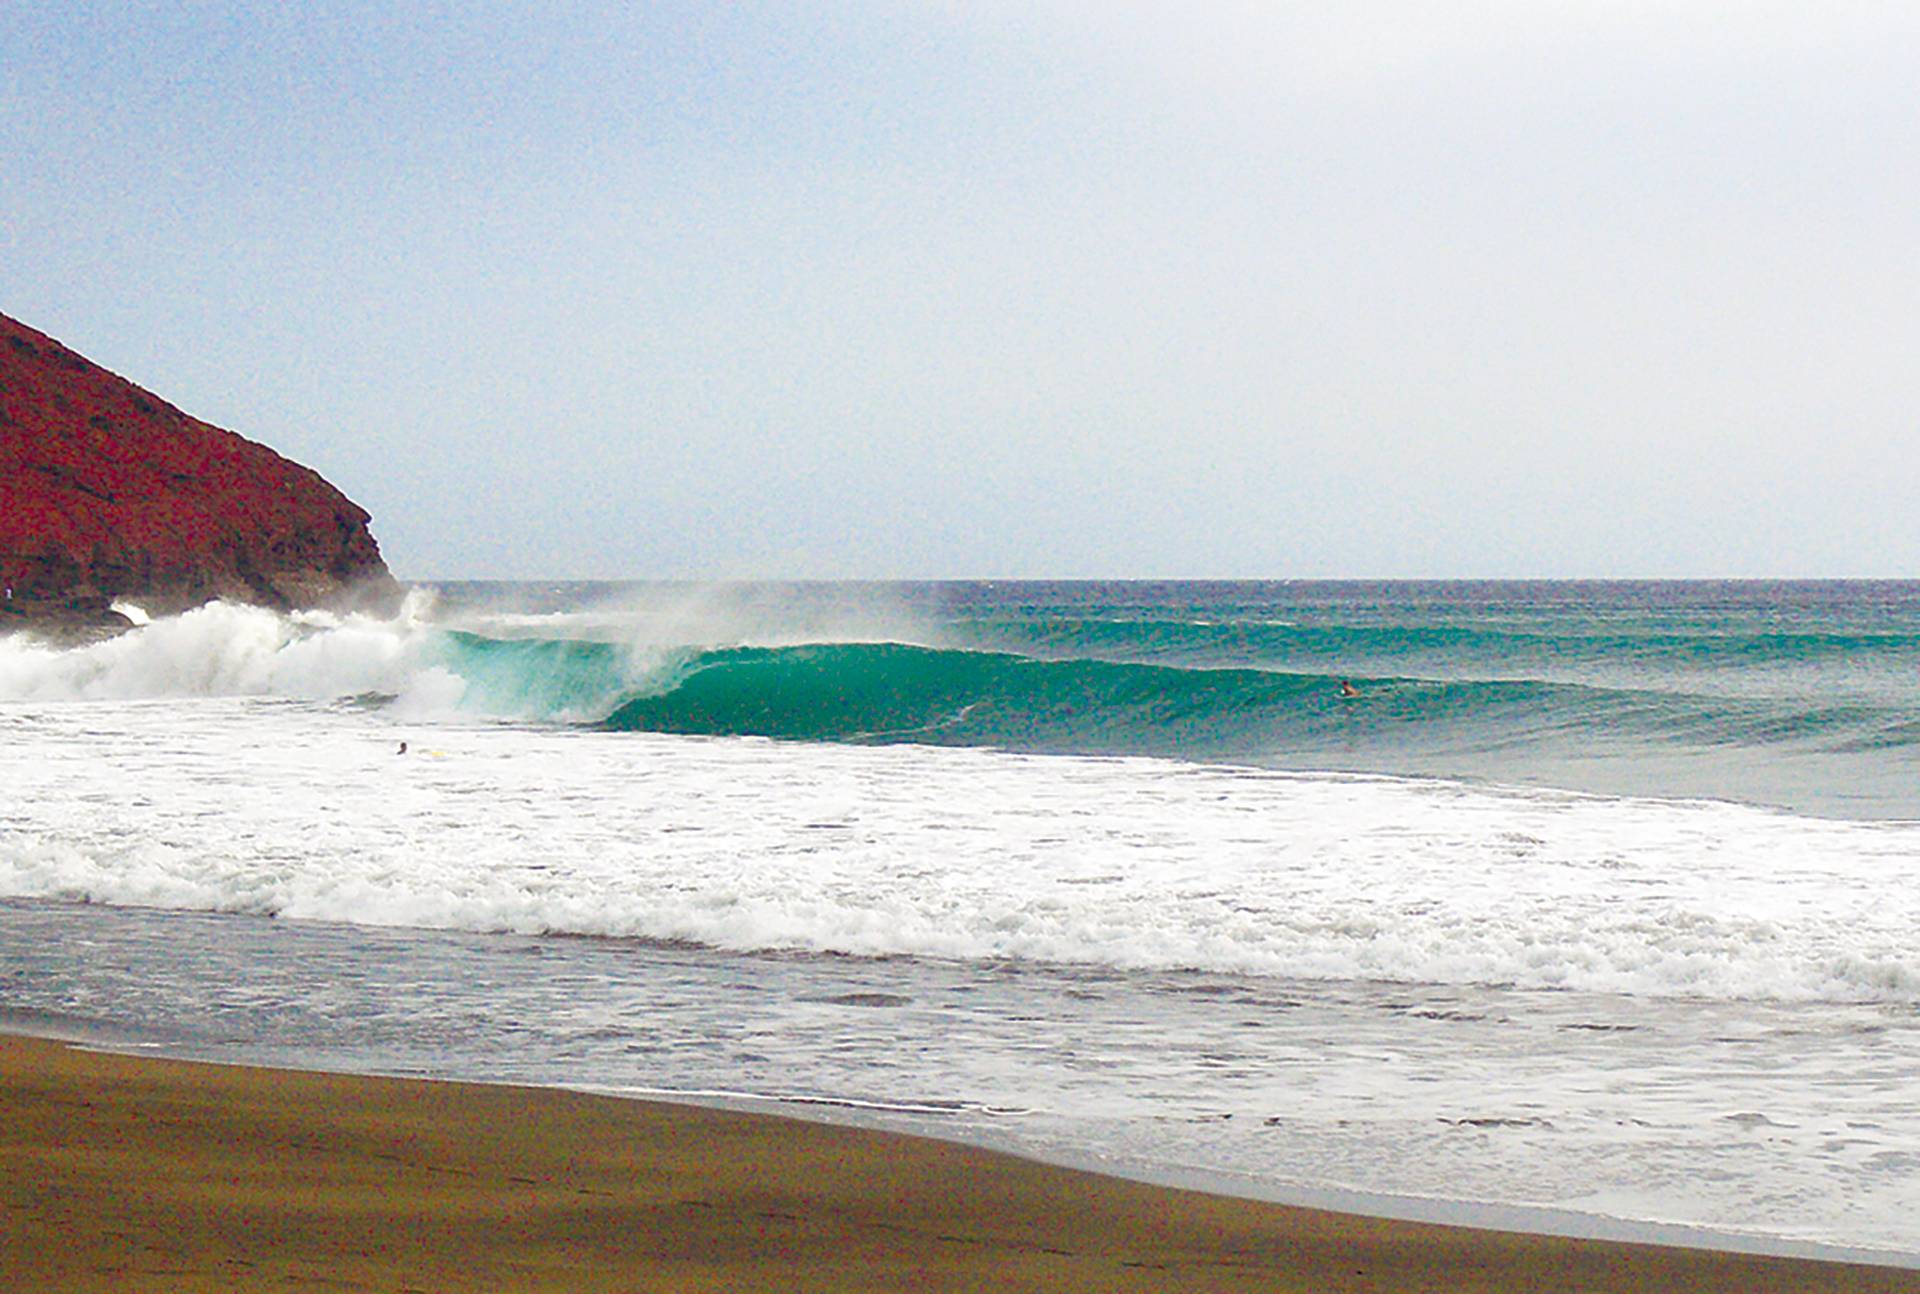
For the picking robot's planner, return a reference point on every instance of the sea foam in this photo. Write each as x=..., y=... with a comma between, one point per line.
x=306, y=811
x=227, y=649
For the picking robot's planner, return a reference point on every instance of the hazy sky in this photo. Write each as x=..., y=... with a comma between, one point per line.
x=1022, y=289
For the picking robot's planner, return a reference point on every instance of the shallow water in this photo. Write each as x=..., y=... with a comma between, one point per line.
x=1784, y=1121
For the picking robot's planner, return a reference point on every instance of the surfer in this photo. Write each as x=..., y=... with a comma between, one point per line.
x=1348, y=690
x=402, y=750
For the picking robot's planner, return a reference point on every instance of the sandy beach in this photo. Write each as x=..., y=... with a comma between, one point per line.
x=128, y=1173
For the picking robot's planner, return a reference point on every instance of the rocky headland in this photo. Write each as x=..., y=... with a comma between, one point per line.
x=108, y=492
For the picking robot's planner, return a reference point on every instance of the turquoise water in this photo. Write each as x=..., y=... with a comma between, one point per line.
x=1798, y=695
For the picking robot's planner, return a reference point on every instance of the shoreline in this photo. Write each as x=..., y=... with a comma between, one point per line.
x=222, y=1176
x=1475, y=1215
x=1479, y=1215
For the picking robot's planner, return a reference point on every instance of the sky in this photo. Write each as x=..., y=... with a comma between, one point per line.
x=1495, y=288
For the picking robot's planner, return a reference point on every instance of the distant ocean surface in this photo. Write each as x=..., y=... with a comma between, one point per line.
x=1596, y=899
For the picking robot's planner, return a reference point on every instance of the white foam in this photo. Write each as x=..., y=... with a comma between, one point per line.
x=226, y=649
x=233, y=650
x=305, y=811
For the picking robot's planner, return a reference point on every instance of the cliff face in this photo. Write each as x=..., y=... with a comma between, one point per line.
x=108, y=491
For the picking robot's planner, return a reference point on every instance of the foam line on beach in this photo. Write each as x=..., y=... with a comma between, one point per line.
x=232, y=1178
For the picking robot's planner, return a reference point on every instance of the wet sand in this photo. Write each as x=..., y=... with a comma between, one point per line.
x=123, y=1173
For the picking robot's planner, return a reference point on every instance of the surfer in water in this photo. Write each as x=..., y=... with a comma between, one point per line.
x=1348, y=690
x=402, y=750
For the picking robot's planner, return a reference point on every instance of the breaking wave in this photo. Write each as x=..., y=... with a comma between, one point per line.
x=1135, y=688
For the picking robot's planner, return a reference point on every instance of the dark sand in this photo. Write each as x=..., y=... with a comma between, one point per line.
x=121, y=1173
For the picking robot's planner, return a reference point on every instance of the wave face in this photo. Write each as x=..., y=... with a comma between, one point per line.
x=896, y=692
x=1798, y=696
x=1804, y=696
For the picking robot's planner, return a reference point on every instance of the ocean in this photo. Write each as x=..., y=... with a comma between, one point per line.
x=1586, y=906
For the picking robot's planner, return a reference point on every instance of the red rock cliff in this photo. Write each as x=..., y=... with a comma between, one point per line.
x=108, y=491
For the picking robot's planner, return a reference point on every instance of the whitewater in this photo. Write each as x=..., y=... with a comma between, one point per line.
x=1598, y=901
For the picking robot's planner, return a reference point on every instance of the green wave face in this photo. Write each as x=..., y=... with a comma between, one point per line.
x=1791, y=696
x=892, y=692
x=538, y=677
